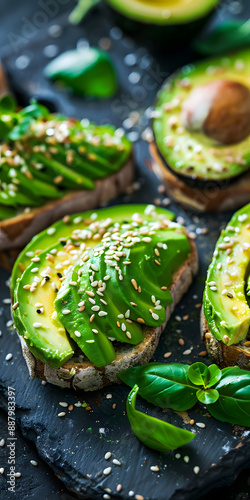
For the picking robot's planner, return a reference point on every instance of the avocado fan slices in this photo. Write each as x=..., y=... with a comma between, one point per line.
x=98, y=284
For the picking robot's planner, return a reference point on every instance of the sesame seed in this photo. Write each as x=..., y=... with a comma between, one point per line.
x=134, y=284
x=107, y=455
x=186, y=459
x=119, y=487
x=107, y=471
x=77, y=334
x=177, y=455
x=147, y=239
x=196, y=469
x=17, y=474
x=34, y=270
x=154, y=468
x=37, y=325
x=90, y=341
x=106, y=496
x=131, y=493
x=81, y=303
x=155, y=316
x=90, y=294
x=51, y=230
x=66, y=311
x=167, y=354
x=1, y=470
x=91, y=318
x=213, y=288
x=140, y=320
x=2, y=443
x=61, y=414
x=157, y=262
x=34, y=463
x=15, y=305
x=102, y=313
x=226, y=339
x=187, y=352
x=128, y=334
x=95, y=308
x=201, y=425
x=95, y=331
x=63, y=404
x=116, y=462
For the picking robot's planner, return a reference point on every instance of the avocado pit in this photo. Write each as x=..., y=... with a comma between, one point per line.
x=220, y=109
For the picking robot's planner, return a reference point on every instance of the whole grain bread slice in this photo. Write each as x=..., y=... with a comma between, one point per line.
x=18, y=231
x=222, y=354
x=80, y=373
x=211, y=199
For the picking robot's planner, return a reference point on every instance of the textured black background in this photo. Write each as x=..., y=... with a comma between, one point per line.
x=19, y=23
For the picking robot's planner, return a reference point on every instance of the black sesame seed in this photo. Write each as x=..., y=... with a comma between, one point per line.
x=59, y=275
x=47, y=278
x=38, y=311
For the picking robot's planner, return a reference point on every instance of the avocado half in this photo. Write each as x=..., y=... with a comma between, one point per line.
x=162, y=20
x=94, y=279
x=193, y=158
x=226, y=296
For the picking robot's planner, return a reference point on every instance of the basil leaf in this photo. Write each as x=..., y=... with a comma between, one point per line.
x=35, y=111
x=164, y=385
x=200, y=374
x=7, y=104
x=227, y=36
x=233, y=405
x=153, y=432
x=20, y=129
x=207, y=397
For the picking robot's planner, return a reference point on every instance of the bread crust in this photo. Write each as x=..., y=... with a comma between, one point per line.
x=18, y=231
x=222, y=354
x=84, y=375
x=210, y=199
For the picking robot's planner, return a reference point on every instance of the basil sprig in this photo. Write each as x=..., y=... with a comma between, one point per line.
x=153, y=432
x=226, y=393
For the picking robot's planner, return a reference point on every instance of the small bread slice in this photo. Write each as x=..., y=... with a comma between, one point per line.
x=80, y=373
x=213, y=198
x=17, y=231
x=222, y=354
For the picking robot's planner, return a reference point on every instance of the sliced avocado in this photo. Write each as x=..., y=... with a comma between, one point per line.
x=225, y=302
x=163, y=12
x=45, y=156
x=77, y=280
x=201, y=120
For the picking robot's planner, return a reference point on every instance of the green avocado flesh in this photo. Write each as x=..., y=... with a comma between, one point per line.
x=94, y=279
x=164, y=11
x=193, y=154
x=225, y=300
x=45, y=156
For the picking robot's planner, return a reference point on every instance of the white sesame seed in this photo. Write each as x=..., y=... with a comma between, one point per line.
x=1, y=470
x=34, y=463
x=66, y=311
x=123, y=327
x=188, y=351
x=62, y=414
x=154, y=468
x=90, y=341
x=17, y=474
x=107, y=455
x=2, y=442
x=63, y=404
x=116, y=462
x=186, y=459
x=34, y=270
x=196, y=469
x=81, y=303
x=8, y=357
x=107, y=471
x=201, y=425
x=6, y=301
x=51, y=231
x=177, y=455
x=155, y=316
x=119, y=487
x=106, y=496
x=213, y=288
x=211, y=283
x=95, y=308
x=131, y=493
x=77, y=334
x=102, y=313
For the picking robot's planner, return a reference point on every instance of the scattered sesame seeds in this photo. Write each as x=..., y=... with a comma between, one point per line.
x=196, y=469
x=34, y=463
x=187, y=352
x=63, y=404
x=107, y=455
x=51, y=230
x=186, y=459
x=201, y=425
x=66, y=311
x=61, y=414
x=155, y=316
x=154, y=468
x=107, y=471
x=2, y=442
x=1, y=470
x=134, y=284
x=119, y=487
x=116, y=462
x=17, y=474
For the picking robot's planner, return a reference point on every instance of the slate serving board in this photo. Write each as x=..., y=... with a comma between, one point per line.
x=74, y=446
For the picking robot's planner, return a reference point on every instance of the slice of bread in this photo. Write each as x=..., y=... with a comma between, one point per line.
x=222, y=354
x=17, y=231
x=213, y=198
x=80, y=373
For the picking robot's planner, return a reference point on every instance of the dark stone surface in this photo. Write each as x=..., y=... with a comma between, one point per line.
x=74, y=446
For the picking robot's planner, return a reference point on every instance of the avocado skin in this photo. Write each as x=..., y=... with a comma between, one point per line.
x=44, y=332
x=217, y=306
x=167, y=38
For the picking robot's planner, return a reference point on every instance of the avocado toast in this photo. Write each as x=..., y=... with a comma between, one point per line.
x=201, y=126
x=225, y=318
x=92, y=294
x=51, y=165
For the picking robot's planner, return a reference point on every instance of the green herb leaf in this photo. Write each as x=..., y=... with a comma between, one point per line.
x=227, y=36
x=152, y=432
x=164, y=385
x=35, y=111
x=20, y=129
x=200, y=374
x=7, y=104
x=208, y=396
x=233, y=404
x=81, y=10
